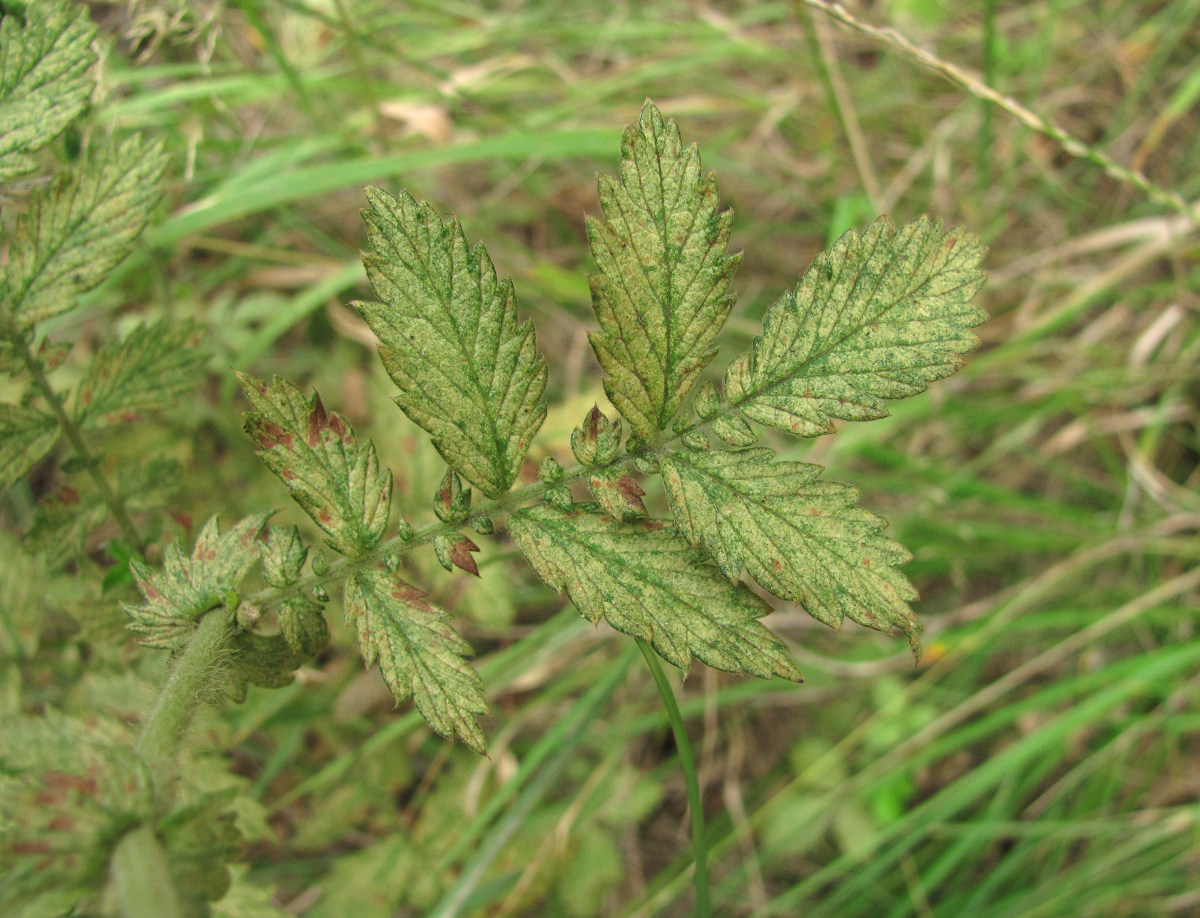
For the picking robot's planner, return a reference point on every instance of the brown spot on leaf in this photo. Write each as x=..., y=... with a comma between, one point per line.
x=461, y=557
x=653, y=525
x=318, y=420
x=632, y=492
x=268, y=435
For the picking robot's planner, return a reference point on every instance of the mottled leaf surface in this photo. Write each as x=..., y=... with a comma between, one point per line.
x=468, y=373
x=26, y=436
x=188, y=586
x=146, y=371
x=648, y=582
x=878, y=316
x=78, y=228
x=661, y=294
x=44, y=81
x=801, y=537
x=420, y=654
x=313, y=451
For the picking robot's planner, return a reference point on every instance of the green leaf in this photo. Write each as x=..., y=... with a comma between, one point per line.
x=148, y=370
x=26, y=436
x=420, y=654
x=313, y=452
x=800, y=537
x=618, y=493
x=187, y=587
x=283, y=556
x=876, y=317
x=648, y=582
x=447, y=326
x=44, y=82
x=661, y=293
x=77, y=229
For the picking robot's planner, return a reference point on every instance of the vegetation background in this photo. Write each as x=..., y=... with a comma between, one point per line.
x=1043, y=758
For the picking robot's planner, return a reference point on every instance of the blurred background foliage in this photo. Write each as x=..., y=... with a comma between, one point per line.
x=1042, y=759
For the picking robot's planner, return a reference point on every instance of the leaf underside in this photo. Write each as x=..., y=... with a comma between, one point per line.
x=876, y=317
x=661, y=294
x=336, y=482
x=187, y=587
x=44, y=81
x=447, y=326
x=801, y=537
x=77, y=229
x=648, y=582
x=420, y=654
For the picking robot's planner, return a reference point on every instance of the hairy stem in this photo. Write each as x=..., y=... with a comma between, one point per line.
x=688, y=765
x=158, y=745
x=74, y=435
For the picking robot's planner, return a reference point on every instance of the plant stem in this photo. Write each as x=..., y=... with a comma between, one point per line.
x=71, y=430
x=688, y=765
x=141, y=878
x=158, y=745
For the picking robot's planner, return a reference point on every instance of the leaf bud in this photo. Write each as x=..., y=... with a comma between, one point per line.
x=451, y=503
x=596, y=440
x=319, y=562
x=550, y=470
x=561, y=499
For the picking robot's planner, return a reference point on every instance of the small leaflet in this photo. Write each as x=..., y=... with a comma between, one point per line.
x=618, y=493
x=44, y=81
x=454, y=550
x=420, y=654
x=733, y=430
x=148, y=370
x=188, y=586
x=801, y=537
x=337, y=483
x=876, y=317
x=661, y=294
x=448, y=336
x=26, y=436
x=78, y=229
x=283, y=556
x=648, y=582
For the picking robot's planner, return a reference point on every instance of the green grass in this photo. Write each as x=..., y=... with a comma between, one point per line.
x=1041, y=759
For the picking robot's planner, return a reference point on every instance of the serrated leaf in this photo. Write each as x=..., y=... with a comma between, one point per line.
x=454, y=550
x=876, y=317
x=148, y=370
x=78, y=228
x=420, y=654
x=313, y=452
x=799, y=536
x=447, y=326
x=26, y=436
x=661, y=293
x=648, y=582
x=44, y=81
x=188, y=586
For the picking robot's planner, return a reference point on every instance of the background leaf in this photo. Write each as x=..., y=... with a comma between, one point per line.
x=313, y=452
x=660, y=295
x=150, y=369
x=448, y=333
x=646, y=581
x=79, y=228
x=420, y=654
x=876, y=317
x=44, y=81
x=800, y=537
x=26, y=435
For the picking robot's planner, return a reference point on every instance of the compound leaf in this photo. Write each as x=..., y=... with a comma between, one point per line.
x=148, y=370
x=447, y=326
x=26, y=436
x=876, y=317
x=800, y=537
x=337, y=483
x=419, y=653
x=661, y=293
x=77, y=229
x=648, y=582
x=187, y=587
x=44, y=82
